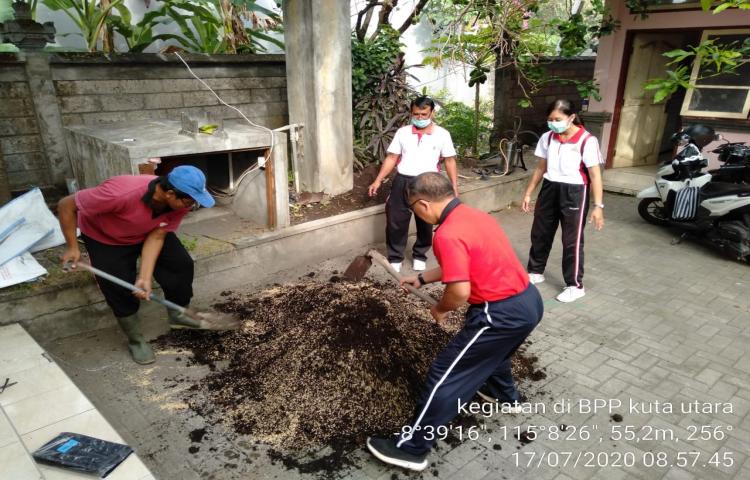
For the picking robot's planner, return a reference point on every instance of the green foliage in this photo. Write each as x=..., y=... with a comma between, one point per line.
x=140, y=36
x=458, y=119
x=641, y=7
x=206, y=26
x=666, y=86
x=517, y=34
x=381, y=111
x=582, y=30
x=88, y=15
x=371, y=59
x=189, y=242
x=6, y=11
x=714, y=59
x=380, y=93
x=201, y=26
x=474, y=50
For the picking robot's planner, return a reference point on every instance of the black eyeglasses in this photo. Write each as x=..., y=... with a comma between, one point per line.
x=411, y=205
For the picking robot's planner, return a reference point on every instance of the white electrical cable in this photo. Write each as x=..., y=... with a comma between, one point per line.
x=261, y=163
x=273, y=137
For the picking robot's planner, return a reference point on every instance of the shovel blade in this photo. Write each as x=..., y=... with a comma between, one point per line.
x=213, y=320
x=358, y=268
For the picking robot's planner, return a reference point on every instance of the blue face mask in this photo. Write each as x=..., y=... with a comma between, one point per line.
x=558, y=127
x=421, y=123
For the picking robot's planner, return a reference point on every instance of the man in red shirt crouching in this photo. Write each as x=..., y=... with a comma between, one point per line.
x=478, y=265
x=133, y=216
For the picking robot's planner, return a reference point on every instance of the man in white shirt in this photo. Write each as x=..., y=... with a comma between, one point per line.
x=416, y=148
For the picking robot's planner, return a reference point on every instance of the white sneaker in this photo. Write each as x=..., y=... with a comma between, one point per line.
x=571, y=294
x=419, y=265
x=535, y=278
x=397, y=267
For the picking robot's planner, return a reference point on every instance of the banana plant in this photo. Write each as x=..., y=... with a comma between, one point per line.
x=140, y=36
x=202, y=29
x=90, y=16
x=218, y=26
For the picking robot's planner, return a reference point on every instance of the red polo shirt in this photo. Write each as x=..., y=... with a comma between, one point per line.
x=471, y=247
x=115, y=213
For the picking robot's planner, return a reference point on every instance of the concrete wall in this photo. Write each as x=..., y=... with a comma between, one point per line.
x=20, y=142
x=609, y=62
x=319, y=72
x=94, y=90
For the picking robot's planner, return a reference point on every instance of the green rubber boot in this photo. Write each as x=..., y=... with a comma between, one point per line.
x=180, y=320
x=139, y=348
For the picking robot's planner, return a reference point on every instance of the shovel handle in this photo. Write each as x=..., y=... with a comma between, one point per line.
x=129, y=286
x=385, y=264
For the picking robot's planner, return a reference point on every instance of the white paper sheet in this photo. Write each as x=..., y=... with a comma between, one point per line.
x=20, y=269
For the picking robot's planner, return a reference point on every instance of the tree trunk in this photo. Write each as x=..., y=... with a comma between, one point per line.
x=4, y=186
x=475, y=143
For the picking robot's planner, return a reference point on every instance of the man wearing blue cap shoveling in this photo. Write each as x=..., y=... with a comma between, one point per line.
x=133, y=216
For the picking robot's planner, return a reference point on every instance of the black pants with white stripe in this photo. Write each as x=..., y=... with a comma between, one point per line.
x=567, y=205
x=398, y=217
x=480, y=353
x=173, y=272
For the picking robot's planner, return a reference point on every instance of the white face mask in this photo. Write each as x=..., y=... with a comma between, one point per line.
x=559, y=126
x=421, y=123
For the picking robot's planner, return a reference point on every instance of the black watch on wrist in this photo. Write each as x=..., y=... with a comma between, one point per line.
x=421, y=280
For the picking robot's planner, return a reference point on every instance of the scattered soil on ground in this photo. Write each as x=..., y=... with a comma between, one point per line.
x=525, y=437
x=319, y=365
x=356, y=199
x=197, y=435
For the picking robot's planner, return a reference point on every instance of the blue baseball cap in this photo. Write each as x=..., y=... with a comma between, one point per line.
x=190, y=180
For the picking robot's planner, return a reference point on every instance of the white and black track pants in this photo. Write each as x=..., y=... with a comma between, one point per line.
x=567, y=205
x=479, y=354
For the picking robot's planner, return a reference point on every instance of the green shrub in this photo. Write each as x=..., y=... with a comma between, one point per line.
x=458, y=119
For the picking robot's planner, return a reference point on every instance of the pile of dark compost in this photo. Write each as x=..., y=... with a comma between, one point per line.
x=318, y=364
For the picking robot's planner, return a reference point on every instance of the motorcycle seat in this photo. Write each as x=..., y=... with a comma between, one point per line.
x=720, y=189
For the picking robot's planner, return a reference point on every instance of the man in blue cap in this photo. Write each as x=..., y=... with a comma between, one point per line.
x=132, y=216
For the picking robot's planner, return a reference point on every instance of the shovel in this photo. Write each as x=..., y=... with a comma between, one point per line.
x=206, y=320
x=361, y=264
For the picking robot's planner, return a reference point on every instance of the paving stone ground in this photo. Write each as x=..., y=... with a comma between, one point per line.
x=661, y=325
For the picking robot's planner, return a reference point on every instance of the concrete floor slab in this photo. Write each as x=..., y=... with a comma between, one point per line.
x=38, y=403
x=17, y=464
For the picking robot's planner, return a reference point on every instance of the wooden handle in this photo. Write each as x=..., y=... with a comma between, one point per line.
x=385, y=264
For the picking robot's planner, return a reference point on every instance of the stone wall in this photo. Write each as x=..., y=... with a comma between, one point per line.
x=20, y=143
x=535, y=117
x=83, y=89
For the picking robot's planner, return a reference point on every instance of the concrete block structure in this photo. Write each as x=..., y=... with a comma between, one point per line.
x=100, y=152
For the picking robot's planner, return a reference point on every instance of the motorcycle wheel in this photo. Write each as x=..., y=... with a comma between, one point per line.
x=652, y=210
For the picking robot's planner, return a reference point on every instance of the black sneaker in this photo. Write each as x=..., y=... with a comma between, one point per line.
x=385, y=450
x=507, y=407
